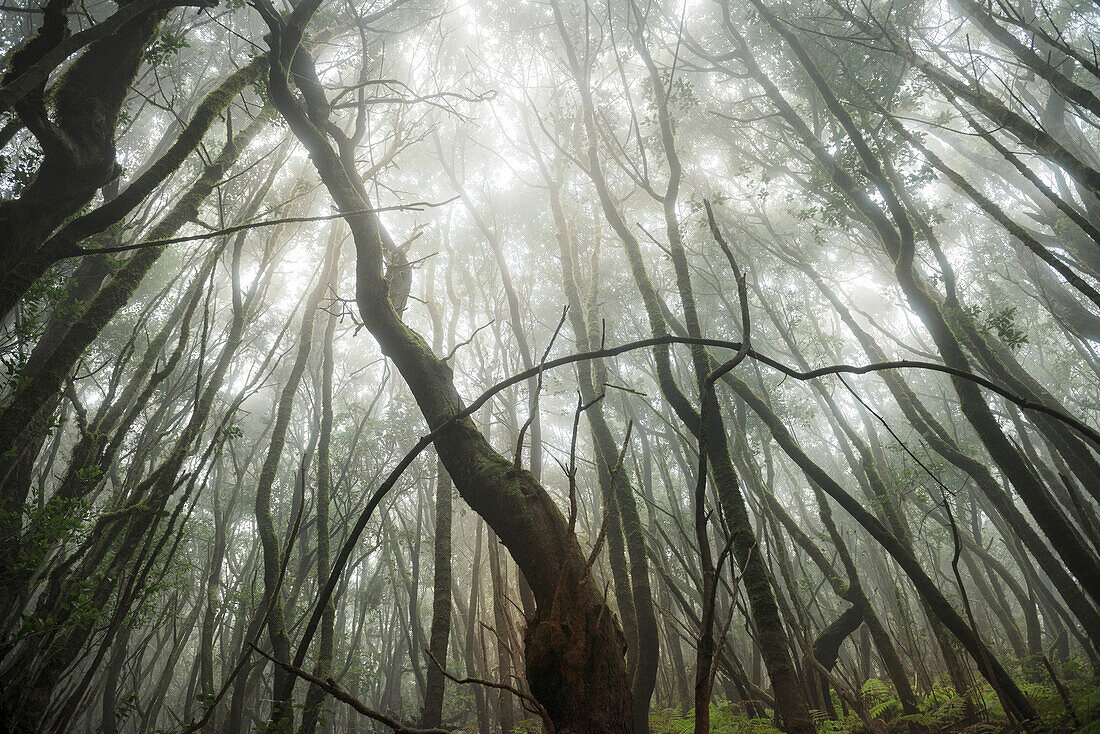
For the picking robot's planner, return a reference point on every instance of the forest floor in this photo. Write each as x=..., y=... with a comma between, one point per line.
x=1078, y=710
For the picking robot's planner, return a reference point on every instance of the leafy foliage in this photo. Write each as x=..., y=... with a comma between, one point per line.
x=724, y=719
x=942, y=711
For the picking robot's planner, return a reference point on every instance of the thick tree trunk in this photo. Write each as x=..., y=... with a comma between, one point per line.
x=573, y=646
x=77, y=132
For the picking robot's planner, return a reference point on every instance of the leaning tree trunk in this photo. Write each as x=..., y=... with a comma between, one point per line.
x=74, y=122
x=573, y=645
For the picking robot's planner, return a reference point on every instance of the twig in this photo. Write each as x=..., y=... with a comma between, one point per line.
x=803, y=376
x=517, y=462
x=571, y=471
x=333, y=689
x=458, y=346
x=598, y=544
x=1006, y=702
x=417, y=206
x=542, y=712
x=1061, y=692
x=721, y=641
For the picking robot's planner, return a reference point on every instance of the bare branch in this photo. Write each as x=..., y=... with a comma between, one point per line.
x=333, y=689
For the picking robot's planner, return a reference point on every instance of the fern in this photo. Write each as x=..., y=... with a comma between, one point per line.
x=921, y=718
x=875, y=688
x=888, y=707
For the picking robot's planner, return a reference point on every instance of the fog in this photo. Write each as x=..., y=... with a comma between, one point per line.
x=549, y=367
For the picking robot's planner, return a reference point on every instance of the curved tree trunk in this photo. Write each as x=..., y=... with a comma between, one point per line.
x=573, y=646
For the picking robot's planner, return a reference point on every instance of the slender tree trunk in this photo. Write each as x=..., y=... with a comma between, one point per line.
x=439, y=636
x=323, y=667
x=282, y=714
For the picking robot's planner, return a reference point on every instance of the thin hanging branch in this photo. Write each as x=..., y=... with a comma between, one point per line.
x=414, y=207
x=331, y=687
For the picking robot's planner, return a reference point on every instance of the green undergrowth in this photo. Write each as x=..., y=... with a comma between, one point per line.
x=724, y=717
x=941, y=711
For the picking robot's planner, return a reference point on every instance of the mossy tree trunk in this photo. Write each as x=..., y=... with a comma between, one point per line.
x=573, y=645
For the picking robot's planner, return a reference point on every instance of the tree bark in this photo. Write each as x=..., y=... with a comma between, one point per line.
x=573, y=646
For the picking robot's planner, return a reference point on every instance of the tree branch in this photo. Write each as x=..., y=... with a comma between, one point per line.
x=333, y=689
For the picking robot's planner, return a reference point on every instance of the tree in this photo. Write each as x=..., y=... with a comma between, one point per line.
x=762, y=339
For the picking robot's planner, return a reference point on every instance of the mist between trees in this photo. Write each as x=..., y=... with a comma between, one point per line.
x=625, y=366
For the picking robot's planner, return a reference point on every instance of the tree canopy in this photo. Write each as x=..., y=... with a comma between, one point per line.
x=420, y=366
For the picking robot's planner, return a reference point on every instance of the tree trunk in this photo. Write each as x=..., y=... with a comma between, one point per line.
x=573, y=646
